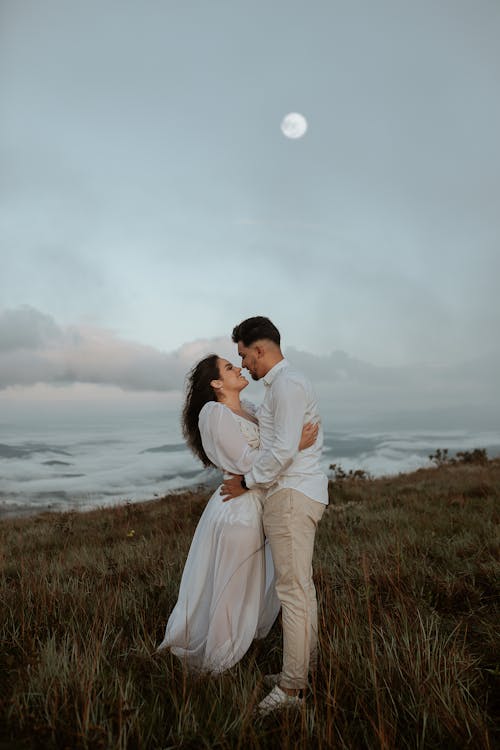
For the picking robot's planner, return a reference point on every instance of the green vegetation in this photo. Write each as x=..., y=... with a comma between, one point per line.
x=407, y=571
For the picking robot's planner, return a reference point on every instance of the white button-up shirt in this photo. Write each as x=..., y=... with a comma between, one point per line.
x=289, y=403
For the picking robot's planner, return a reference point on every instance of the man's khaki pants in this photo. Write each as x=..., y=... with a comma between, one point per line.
x=290, y=521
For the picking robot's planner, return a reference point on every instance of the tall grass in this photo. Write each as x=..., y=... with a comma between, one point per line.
x=407, y=573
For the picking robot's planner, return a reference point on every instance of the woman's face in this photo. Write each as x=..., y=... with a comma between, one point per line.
x=231, y=378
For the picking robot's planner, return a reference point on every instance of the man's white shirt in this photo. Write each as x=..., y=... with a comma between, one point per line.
x=289, y=403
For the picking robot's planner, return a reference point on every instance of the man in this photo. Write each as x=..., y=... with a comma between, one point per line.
x=297, y=493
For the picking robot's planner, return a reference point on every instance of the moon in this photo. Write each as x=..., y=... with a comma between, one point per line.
x=294, y=125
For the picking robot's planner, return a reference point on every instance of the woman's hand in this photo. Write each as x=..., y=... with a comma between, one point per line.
x=309, y=435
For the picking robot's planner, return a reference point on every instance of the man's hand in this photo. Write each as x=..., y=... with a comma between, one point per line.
x=309, y=435
x=232, y=488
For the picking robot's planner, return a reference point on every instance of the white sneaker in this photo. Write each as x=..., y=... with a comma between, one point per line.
x=277, y=700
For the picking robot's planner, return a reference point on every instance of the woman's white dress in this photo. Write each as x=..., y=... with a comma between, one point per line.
x=227, y=596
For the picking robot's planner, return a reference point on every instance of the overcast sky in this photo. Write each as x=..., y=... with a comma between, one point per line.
x=148, y=195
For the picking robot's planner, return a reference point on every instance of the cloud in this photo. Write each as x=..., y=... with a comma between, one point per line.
x=456, y=395
x=35, y=349
x=26, y=328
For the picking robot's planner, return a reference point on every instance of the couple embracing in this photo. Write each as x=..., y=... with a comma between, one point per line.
x=252, y=550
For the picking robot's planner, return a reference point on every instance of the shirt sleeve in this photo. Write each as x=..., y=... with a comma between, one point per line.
x=223, y=440
x=289, y=408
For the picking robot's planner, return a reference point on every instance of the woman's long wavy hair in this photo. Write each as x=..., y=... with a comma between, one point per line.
x=198, y=393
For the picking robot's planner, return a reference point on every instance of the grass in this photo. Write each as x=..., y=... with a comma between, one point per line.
x=407, y=571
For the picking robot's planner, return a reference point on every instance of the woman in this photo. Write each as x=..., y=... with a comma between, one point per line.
x=226, y=596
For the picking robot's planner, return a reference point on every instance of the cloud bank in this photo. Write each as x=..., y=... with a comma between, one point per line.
x=35, y=349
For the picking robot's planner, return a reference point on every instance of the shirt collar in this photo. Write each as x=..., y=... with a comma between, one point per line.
x=269, y=376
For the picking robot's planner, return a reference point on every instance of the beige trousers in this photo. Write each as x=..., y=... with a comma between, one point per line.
x=290, y=521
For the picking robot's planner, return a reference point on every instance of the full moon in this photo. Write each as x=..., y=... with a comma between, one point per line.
x=294, y=125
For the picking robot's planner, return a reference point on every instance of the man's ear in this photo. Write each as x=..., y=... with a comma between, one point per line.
x=259, y=351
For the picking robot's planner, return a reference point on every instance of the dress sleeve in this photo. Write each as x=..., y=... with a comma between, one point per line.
x=223, y=440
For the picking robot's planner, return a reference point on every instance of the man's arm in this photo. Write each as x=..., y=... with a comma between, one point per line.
x=289, y=408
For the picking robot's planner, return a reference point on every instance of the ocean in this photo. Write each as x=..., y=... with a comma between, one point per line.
x=82, y=459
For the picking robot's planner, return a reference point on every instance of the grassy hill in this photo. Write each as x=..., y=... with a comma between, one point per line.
x=408, y=577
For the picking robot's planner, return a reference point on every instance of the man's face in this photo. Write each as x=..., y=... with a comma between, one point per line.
x=249, y=359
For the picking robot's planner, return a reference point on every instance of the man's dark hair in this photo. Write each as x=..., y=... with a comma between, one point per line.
x=253, y=329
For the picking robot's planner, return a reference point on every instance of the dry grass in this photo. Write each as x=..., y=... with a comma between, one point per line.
x=408, y=582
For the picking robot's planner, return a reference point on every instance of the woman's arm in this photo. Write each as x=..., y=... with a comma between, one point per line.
x=223, y=440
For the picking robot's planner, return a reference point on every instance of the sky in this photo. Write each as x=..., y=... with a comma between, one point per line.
x=149, y=200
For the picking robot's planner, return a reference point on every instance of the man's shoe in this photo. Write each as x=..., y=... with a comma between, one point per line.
x=277, y=700
x=270, y=680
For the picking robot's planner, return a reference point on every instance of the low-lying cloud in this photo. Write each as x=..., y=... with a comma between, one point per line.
x=35, y=349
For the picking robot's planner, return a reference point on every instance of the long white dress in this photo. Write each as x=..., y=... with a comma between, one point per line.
x=227, y=596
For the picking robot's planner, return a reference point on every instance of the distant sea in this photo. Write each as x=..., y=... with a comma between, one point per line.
x=81, y=461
